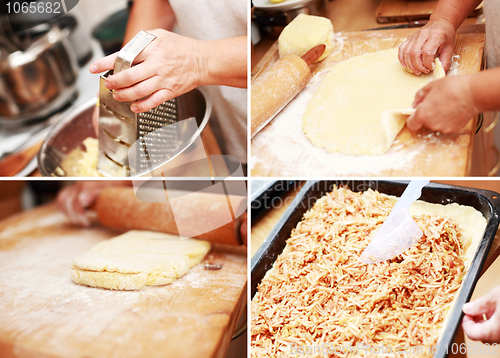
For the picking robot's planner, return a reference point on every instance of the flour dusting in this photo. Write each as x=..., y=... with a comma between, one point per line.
x=285, y=139
x=45, y=221
x=42, y=304
x=453, y=71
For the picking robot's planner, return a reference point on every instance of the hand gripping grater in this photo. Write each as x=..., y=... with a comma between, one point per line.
x=119, y=127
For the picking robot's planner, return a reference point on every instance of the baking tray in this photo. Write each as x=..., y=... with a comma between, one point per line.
x=487, y=202
x=263, y=193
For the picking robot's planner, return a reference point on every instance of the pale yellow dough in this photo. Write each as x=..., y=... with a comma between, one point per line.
x=471, y=222
x=305, y=32
x=362, y=104
x=79, y=163
x=137, y=259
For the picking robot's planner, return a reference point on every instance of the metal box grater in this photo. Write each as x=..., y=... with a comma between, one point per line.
x=119, y=127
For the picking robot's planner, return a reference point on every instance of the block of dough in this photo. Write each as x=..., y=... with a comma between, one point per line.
x=305, y=32
x=346, y=114
x=137, y=259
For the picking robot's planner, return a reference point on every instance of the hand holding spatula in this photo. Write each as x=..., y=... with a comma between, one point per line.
x=399, y=231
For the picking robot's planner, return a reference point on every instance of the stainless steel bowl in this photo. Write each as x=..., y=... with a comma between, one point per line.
x=39, y=80
x=76, y=126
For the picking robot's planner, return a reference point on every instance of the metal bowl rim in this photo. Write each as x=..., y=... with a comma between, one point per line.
x=56, y=128
x=72, y=114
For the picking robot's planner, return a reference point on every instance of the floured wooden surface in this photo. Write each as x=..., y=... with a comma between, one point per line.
x=45, y=314
x=282, y=149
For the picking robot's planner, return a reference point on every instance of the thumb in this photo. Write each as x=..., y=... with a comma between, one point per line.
x=445, y=57
x=482, y=305
x=479, y=331
x=413, y=123
x=87, y=197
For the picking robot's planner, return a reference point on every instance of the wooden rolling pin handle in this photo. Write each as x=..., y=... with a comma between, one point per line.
x=313, y=54
x=14, y=163
x=278, y=85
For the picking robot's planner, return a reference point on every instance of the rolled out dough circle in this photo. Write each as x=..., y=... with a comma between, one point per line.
x=346, y=114
x=137, y=259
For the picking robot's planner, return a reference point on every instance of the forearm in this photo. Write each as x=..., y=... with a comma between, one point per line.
x=454, y=11
x=149, y=15
x=226, y=62
x=485, y=90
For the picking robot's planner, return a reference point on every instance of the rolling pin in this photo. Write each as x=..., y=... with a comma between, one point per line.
x=279, y=85
x=119, y=208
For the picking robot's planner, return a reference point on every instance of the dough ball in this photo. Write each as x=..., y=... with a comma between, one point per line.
x=305, y=32
x=137, y=259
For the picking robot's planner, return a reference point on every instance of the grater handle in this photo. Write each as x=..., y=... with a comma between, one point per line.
x=131, y=50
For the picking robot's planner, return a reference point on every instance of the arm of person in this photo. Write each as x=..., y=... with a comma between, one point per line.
x=446, y=105
x=74, y=199
x=144, y=15
x=148, y=15
x=227, y=62
x=172, y=65
x=436, y=38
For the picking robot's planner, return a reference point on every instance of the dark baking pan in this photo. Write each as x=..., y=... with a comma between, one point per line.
x=487, y=202
x=264, y=193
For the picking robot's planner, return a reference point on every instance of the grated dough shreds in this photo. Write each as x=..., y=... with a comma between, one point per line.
x=319, y=293
x=82, y=163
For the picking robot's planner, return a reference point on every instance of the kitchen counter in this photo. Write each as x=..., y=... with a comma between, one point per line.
x=45, y=314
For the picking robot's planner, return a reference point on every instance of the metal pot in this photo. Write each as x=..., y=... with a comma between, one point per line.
x=273, y=17
x=39, y=80
x=76, y=126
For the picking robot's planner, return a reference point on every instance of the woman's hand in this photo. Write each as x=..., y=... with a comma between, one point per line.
x=473, y=323
x=74, y=199
x=168, y=67
x=445, y=105
x=437, y=38
x=172, y=65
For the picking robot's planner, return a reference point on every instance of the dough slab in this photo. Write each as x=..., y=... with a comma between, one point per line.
x=346, y=114
x=137, y=259
x=305, y=32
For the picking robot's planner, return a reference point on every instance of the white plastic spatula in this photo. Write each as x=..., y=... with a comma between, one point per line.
x=399, y=232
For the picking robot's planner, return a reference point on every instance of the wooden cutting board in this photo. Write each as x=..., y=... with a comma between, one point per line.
x=404, y=11
x=419, y=153
x=44, y=314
